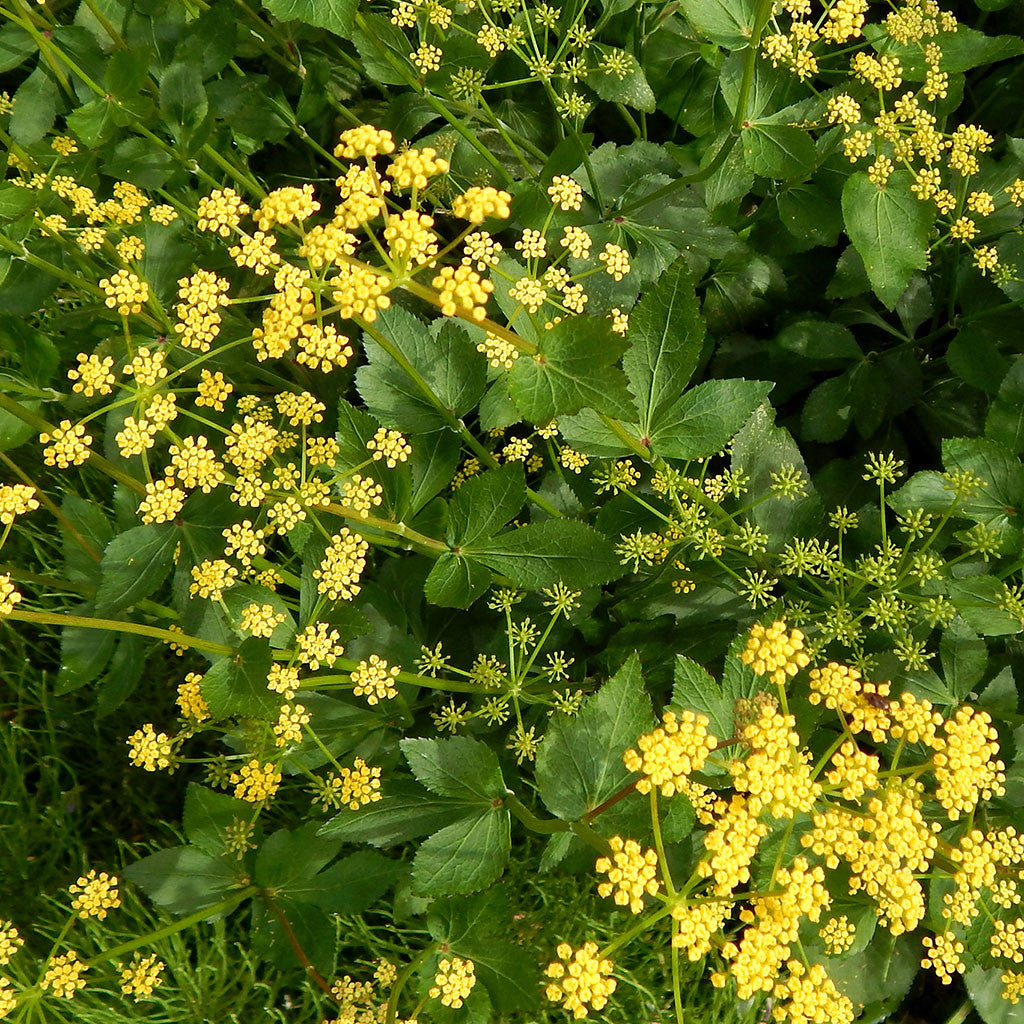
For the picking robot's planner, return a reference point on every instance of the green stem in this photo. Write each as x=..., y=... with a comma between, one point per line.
x=762, y=13
x=119, y=626
x=545, y=826
x=225, y=906
x=33, y=419
x=659, y=845
x=391, y=1013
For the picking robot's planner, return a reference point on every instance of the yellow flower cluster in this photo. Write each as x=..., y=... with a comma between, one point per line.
x=631, y=872
x=141, y=977
x=10, y=942
x=453, y=981
x=126, y=292
x=95, y=894
x=190, y=699
x=64, y=975
x=582, y=979
x=359, y=785
x=966, y=767
x=290, y=723
x=66, y=445
x=374, y=679
x=255, y=782
x=16, y=500
x=671, y=753
x=150, y=749
x=342, y=565
x=775, y=651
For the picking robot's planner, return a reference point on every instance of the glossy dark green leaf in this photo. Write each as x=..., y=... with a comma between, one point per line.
x=579, y=763
x=485, y=503
x=459, y=767
x=778, y=150
x=618, y=77
x=207, y=816
x=666, y=334
x=35, y=108
x=554, y=551
x=693, y=689
x=335, y=15
x=704, y=419
x=889, y=227
x=182, y=879
x=237, y=685
x=464, y=857
x=288, y=860
x=1005, y=420
x=135, y=564
x=405, y=811
x=456, y=581
x=726, y=22
x=573, y=369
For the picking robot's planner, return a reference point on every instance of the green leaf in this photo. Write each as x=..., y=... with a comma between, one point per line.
x=84, y=654
x=586, y=432
x=32, y=352
x=760, y=449
x=182, y=96
x=977, y=600
x=999, y=697
x=135, y=564
x=182, y=879
x=629, y=88
x=810, y=213
x=828, y=411
x=964, y=657
x=127, y=71
x=448, y=365
x=16, y=201
x=208, y=814
x=35, y=108
x=352, y=885
x=463, y=857
x=237, y=685
x=1005, y=420
x=730, y=23
x=244, y=594
x=485, y=503
x=961, y=50
x=480, y=928
x=405, y=811
x=693, y=689
x=1001, y=501
x=778, y=150
x=679, y=820
x=704, y=419
x=456, y=581
x=383, y=51
x=579, y=763
x=572, y=369
x=16, y=46
x=288, y=860
x=889, y=227
x=140, y=162
x=433, y=462
x=975, y=355
x=554, y=551
x=458, y=767
x=334, y=15
x=666, y=334
x=820, y=340
x=985, y=988
x=93, y=124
